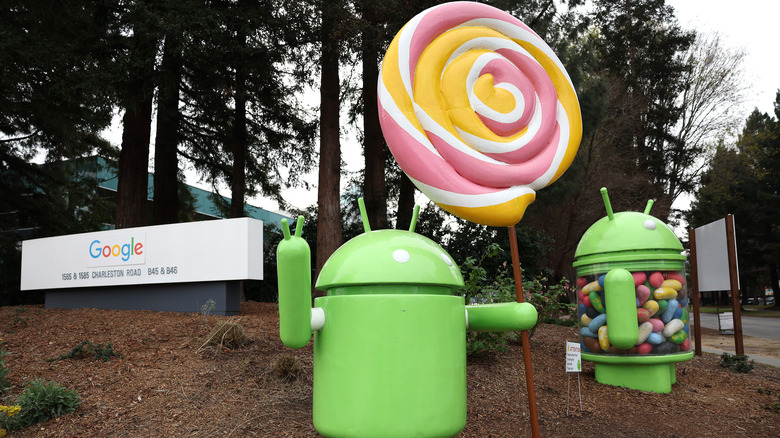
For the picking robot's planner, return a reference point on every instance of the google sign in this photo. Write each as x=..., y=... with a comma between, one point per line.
x=97, y=249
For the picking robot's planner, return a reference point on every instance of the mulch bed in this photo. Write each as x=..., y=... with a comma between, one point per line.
x=161, y=386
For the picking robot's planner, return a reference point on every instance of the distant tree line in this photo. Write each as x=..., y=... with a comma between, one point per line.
x=223, y=82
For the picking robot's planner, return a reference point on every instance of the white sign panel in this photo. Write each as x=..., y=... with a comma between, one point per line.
x=573, y=357
x=712, y=260
x=218, y=250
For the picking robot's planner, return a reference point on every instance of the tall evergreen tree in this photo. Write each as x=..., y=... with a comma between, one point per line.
x=642, y=47
x=54, y=98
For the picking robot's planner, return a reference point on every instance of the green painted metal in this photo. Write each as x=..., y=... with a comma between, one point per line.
x=294, y=272
x=620, y=299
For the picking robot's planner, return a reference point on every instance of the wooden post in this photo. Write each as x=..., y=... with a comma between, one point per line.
x=695, y=291
x=736, y=303
x=529, y=373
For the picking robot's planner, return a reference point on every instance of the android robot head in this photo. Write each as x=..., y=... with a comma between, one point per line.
x=628, y=237
x=390, y=262
x=633, y=304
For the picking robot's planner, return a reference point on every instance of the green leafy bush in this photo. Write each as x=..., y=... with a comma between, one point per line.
x=86, y=349
x=550, y=300
x=736, y=362
x=40, y=402
x=4, y=383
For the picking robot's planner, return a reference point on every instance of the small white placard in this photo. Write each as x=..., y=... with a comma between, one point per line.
x=573, y=357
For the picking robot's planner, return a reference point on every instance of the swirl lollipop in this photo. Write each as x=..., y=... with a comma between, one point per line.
x=477, y=110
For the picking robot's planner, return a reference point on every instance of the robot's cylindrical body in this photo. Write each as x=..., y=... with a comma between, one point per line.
x=390, y=365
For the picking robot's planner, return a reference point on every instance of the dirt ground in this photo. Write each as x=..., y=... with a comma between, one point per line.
x=161, y=386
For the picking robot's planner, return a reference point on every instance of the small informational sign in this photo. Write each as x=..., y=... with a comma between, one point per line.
x=712, y=257
x=573, y=357
x=218, y=250
x=726, y=323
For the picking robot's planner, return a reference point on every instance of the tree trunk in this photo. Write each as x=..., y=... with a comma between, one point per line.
x=374, y=190
x=239, y=137
x=166, y=160
x=328, y=194
x=405, y=203
x=133, y=176
x=238, y=177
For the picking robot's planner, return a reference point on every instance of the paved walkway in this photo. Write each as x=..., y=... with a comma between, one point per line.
x=759, y=359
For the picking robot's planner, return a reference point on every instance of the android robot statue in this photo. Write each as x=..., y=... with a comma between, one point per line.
x=389, y=336
x=633, y=303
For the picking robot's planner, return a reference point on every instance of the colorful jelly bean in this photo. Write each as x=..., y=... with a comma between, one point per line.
x=664, y=293
x=651, y=306
x=642, y=294
x=672, y=327
x=581, y=282
x=639, y=278
x=675, y=276
x=585, y=320
x=668, y=313
x=642, y=315
x=679, y=337
x=662, y=306
x=644, y=348
x=665, y=348
x=671, y=283
x=655, y=338
x=604, y=338
x=596, y=302
x=591, y=312
x=586, y=301
x=586, y=333
x=645, y=329
x=686, y=345
x=601, y=280
x=597, y=322
x=592, y=344
x=658, y=325
x=593, y=286
x=656, y=279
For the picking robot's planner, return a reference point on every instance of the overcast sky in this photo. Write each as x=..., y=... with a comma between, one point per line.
x=749, y=24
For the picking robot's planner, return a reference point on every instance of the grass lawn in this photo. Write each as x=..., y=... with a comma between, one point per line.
x=747, y=310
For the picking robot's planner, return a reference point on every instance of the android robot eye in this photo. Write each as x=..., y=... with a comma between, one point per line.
x=650, y=225
x=401, y=255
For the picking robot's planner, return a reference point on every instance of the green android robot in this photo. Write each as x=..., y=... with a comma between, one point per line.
x=633, y=303
x=389, y=337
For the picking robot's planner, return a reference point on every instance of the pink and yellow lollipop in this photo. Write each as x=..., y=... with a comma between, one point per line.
x=477, y=110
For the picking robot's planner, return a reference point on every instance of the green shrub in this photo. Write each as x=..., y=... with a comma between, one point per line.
x=86, y=349
x=550, y=300
x=41, y=402
x=736, y=362
x=4, y=383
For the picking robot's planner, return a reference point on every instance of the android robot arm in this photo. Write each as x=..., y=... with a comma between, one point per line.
x=500, y=317
x=297, y=319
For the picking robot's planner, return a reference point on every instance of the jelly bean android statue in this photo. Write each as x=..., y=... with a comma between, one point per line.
x=634, y=336
x=389, y=336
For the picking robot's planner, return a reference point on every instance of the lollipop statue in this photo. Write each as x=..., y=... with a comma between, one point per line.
x=479, y=113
